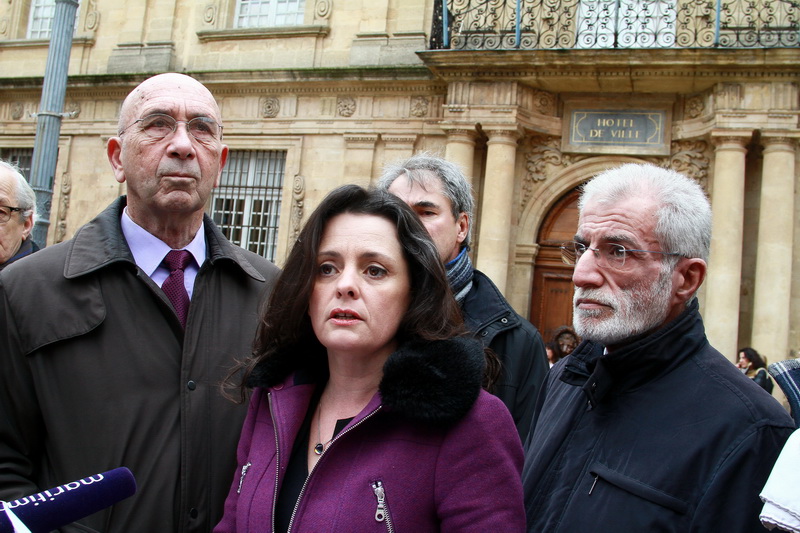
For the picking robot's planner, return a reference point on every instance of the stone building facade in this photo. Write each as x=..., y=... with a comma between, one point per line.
x=319, y=93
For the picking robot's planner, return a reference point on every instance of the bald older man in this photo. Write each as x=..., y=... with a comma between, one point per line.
x=17, y=215
x=116, y=341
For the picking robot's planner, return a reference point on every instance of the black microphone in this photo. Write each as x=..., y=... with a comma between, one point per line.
x=53, y=508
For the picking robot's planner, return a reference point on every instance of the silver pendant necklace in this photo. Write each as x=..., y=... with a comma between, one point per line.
x=319, y=447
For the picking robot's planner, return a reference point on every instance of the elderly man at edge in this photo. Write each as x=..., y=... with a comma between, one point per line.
x=99, y=368
x=442, y=197
x=17, y=215
x=646, y=427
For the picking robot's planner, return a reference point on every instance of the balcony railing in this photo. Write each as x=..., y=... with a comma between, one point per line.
x=604, y=24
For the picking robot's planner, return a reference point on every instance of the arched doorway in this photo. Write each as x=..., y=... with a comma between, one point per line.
x=551, y=298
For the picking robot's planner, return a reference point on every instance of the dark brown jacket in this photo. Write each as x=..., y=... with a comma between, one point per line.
x=96, y=373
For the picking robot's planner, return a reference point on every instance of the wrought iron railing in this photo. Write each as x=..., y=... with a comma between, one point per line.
x=601, y=24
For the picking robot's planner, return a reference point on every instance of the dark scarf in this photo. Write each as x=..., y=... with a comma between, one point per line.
x=26, y=248
x=459, y=273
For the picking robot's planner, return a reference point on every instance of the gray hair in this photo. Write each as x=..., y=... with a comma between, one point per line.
x=455, y=185
x=26, y=198
x=684, y=213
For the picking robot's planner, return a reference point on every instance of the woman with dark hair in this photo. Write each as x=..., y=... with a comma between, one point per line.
x=754, y=367
x=367, y=411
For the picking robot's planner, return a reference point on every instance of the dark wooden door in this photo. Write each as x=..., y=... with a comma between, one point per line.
x=551, y=300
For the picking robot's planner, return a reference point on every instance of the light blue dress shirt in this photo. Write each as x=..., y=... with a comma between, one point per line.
x=149, y=251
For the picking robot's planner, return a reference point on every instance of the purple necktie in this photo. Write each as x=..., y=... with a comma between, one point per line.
x=173, y=287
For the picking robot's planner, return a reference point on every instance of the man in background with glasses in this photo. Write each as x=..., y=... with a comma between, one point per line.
x=114, y=343
x=17, y=215
x=646, y=427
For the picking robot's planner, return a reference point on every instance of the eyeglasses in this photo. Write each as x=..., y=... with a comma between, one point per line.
x=5, y=212
x=158, y=126
x=608, y=254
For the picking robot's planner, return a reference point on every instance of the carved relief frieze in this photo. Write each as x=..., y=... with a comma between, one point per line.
x=544, y=103
x=345, y=106
x=4, y=27
x=73, y=109
x=694, y=107
x=63, y=207
x=419, y=106
x=298, y=200
x=689, y=157
x=270, y=107
x=17, y=110
x=543, y=159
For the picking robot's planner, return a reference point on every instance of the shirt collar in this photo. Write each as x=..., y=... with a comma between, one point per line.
x=148, y=250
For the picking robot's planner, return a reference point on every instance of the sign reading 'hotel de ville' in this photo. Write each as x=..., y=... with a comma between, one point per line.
x=599, y=126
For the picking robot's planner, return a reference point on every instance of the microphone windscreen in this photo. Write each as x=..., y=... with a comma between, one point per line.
x=53, y=508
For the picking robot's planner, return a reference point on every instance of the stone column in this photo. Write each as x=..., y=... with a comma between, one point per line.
x=725, y=262
x=495, y=215
x=461, y=150
x=773, y=286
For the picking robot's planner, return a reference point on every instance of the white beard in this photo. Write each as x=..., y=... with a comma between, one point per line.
x=634, y=310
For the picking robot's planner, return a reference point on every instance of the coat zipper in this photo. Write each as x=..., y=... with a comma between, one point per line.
x=305, y=483
x=245, y=468
x=277, y=461
x=382, y=512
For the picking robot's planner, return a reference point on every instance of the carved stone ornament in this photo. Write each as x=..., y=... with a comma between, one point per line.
x=63, y=207
x=17, y=110
x=695, y=107
x=346, y=106
x=73, y=108
x=92, y=17
x=543, y=158
x=689, y=157
x=544, y=103
x=298, y=199
x=322, y=9
x=270, y=107
x=419, y=106
x=4, y=27
x=210, y=14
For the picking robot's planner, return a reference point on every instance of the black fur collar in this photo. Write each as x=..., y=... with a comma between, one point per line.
x=432, y=382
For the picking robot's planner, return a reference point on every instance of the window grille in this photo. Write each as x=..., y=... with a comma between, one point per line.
x=626, y=24
x=265, y=13
x=247, y=204
x=22, y=157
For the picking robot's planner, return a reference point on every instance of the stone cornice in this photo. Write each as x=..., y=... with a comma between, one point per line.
x=262, y=33
x=616, y=70
x=79, y=41
x=379, y=80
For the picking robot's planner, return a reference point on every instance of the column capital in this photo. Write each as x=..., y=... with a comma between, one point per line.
x=731, y=139
x=460, y=134
x=362, y=140
x=399, y=139
x=457, y=126
x=507, y=134
x=525, y=254
x=780, y=139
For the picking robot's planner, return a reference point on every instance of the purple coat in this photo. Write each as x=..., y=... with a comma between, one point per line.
x=443, y=458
